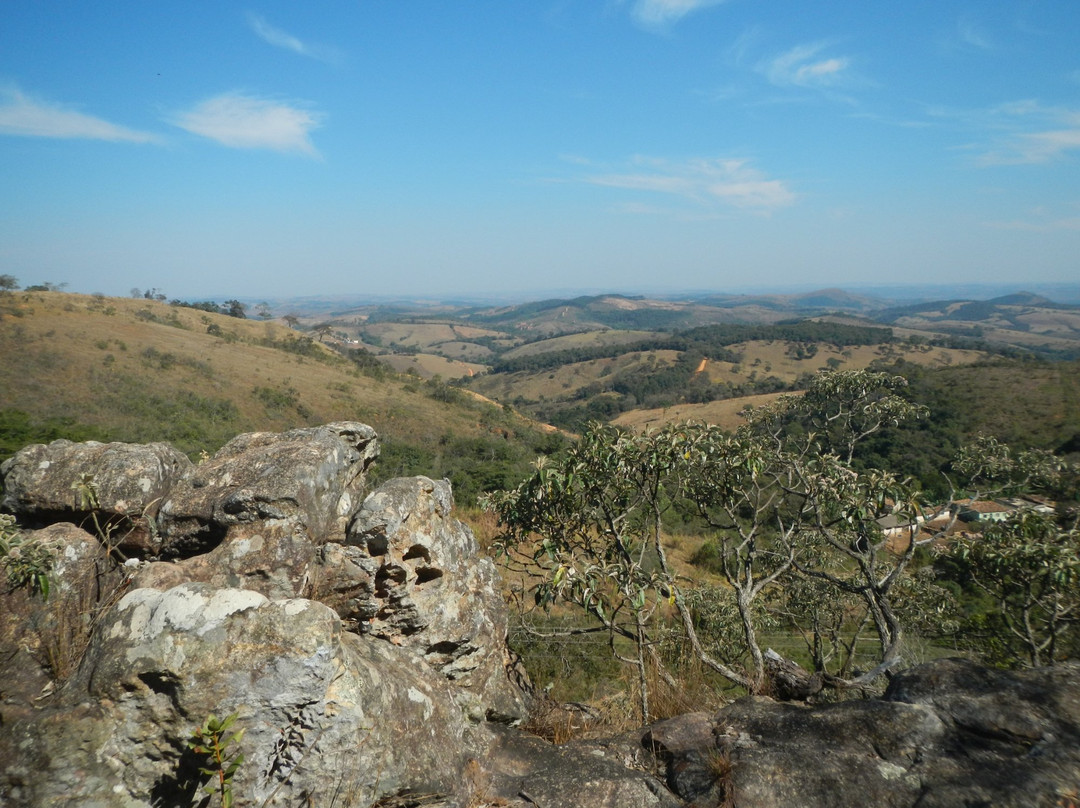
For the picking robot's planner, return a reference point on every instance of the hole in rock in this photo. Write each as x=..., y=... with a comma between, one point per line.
x=417, y=551
x=377, y=545
x=427, y=574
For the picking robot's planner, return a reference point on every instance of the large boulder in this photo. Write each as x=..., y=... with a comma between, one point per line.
x=310, y=477
x=324, y=712
x=946, y=733
x=254, y=514
x=112, y=488
x=411, y=574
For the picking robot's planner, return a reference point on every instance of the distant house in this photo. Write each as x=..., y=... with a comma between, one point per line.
x=983, y=510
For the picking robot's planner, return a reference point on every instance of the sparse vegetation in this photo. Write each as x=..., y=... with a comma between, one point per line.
x=25, y=561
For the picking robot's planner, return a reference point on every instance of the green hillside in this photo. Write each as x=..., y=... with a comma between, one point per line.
x=142, y=370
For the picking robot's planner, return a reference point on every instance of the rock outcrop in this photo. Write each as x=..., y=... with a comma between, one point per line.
x=360, y=639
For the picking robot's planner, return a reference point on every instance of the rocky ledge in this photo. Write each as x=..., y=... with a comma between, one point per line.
x=360, y=639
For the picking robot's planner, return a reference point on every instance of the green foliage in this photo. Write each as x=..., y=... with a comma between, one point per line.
x=1030, y=404
x=782, y=509
x=1029, y=565
x=25, y=561
x=212, y=742
x=19, y=429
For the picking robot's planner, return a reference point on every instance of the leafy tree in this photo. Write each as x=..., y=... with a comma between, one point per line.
x=1030, y=566
x=8, y=283
x=234, y=308
x=782, y=506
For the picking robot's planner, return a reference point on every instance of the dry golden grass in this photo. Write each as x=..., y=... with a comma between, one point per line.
x=120, y=364
x=427, y=366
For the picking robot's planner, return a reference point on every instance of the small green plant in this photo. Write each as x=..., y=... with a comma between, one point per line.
x=27, y=562
x=221, y=763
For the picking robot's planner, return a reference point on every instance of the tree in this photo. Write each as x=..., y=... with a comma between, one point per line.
x=780, y=503
x=8, y=283
x=263, y=311
x=1030, y=566
x=234, y=308
x=291, y=320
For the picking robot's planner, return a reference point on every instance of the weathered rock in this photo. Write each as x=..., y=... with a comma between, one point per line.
x=946, y=733
x=113, y=488
x=272, y=557
x=523, y=770
x=325, y=712
x=313, y=477
x=411, y=574
x=42, y=638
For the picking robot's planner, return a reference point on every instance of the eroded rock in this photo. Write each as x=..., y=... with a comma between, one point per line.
x=113, y=488
x=413, y=575
x=311, y=477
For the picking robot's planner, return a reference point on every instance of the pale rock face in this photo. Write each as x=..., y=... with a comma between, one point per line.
x=219, y=619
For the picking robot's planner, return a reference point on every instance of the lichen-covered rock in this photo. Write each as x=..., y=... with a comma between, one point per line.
x=324, y=712
x=272, y=557
x=112, y=487
x=413, y=575
x=312, y=477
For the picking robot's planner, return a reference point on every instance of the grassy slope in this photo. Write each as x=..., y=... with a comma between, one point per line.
x=101, y=362
x=760, y=359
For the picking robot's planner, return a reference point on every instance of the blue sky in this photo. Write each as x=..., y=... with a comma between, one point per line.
x=434, y=148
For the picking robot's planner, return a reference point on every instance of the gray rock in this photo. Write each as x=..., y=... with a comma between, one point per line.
x=311, y=477
x=413, y=575
x=946, y=733
x=325, y=712
x=42, y=486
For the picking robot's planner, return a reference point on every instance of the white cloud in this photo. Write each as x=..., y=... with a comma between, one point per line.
x=706, y=182
x=662, y=13
x=282, y=39
x=245, y=122
x=1030, y=133
x=802, y=66
x=21, y=115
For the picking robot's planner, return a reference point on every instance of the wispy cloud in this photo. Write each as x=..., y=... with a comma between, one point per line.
x=282, y=39
x=1027, y=132
x=973, y=35
x=807, y=66
x=29, y=117
x=705, y=182
x=247, y=122
x=967, y=36
x=661, y=14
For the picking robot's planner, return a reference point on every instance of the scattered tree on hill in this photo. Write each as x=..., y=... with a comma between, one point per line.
x=8, y=283
x=291, y=320
x=234, y=308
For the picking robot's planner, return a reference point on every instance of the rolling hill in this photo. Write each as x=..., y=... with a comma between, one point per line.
x=144, y=370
